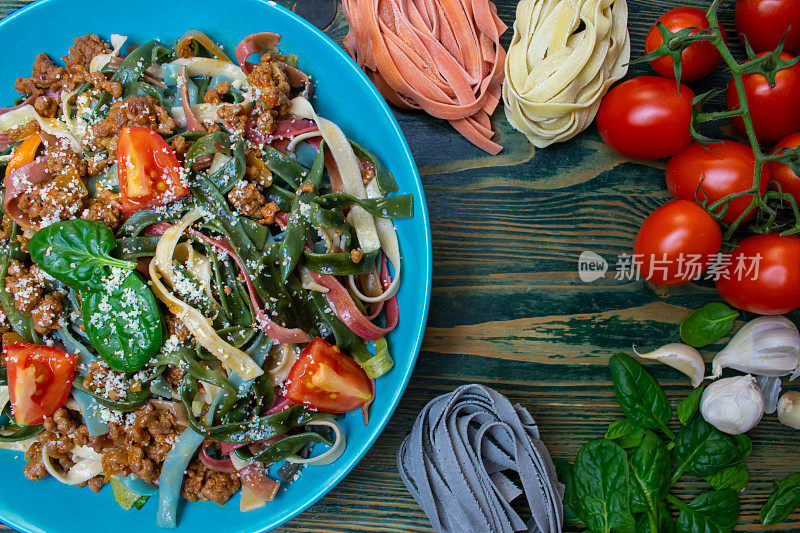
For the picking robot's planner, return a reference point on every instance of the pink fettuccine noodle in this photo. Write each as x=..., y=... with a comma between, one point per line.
x=192, y=124
x=255, y=43
x=441, y=56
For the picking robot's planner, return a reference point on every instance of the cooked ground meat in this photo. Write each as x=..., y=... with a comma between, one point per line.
x=174, y=375
x=62, y=432
x=6, y=227
x=105, y=208
x=44, y=75
x=105, y=381
x=271, y=86
x=27, y=286
x=181, y=145
x=256, y=169
x=200, y=483
x=177, y=328
x=247, y=199
x=46, y=314
x=133, y=111
x=140, y=443
x=47, y=75
x=46, y=106
x=235, y=116
x=62, y=160
x=53, y=200
x=215, y=94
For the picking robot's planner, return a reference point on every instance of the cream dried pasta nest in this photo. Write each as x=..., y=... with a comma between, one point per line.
x=564, y=56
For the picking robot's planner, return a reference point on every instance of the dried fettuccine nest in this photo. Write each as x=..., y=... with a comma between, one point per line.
x=564, y=56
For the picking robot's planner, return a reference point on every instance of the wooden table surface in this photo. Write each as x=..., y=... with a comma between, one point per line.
x=508, y=309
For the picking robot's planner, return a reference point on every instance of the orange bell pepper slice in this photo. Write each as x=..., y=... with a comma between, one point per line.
x=23, y=153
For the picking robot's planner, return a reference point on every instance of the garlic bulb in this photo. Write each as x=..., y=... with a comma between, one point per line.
x=765, y=346
x=681, y=357
x=733, y=405
x=789, y=409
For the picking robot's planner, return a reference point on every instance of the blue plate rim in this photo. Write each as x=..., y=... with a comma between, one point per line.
x=421, y=210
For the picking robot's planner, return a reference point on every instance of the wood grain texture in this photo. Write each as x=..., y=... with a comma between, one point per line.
x=508, y=309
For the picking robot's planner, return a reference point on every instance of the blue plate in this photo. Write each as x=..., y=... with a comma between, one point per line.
x=344, y=95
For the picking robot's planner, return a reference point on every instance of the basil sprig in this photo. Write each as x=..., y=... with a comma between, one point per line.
x=708, y=324
x=120, y=313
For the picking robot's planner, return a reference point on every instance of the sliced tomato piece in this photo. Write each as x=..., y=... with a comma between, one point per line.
x=39, y=380
x=23, y=153
x=326, y=379
x=149, y=173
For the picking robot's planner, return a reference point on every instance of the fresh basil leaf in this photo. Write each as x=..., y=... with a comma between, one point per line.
x=601, y=487
x=735, y=477
x=123, y=323
x=625, y=433
x=640, y=397
x=650, y=469
x=76, y=252
x=708, y=324
x=711, y=512
x=783, y=502
x=703, y=450
x=571, y=505
x=689, y=405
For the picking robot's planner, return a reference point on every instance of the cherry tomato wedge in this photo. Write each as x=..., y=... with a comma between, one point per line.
x=775, y=111
x=764, y=22
x=783, y=174
x=699, y=59
x=23, y=153
x=762, y=275
x=39, y=380
x=326, y=379
x=724, y=168
x=646, y=118
x=149, y=173
x=676, y=243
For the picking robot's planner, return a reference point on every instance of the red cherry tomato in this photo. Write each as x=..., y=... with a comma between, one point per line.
x=149, y=173
x=646, y=118
x=788, y=180
x=328, y=380
x=676, y=243
x=724, y=168
x=699, y=59
x=762, y=275
x=763, y=23
x=39, y=381
x=775, y=111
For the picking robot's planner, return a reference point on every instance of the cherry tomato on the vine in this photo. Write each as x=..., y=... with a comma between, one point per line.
x=646, y=118
x=783, y=174
x=775, y=111
x=676, y=243
x=764, y=22
x=699, y=59
x=713, y=172
x=762, y=275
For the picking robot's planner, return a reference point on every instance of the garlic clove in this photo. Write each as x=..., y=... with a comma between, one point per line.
x=733, y=405
x=682, y=358
x=765, y=346
x=789, y=409
x=771, y=389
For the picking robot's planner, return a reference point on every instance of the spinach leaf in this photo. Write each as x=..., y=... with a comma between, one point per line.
x=640, y=397
x=76, y=252
x=601, y=487
x=708, y=324
x=571, y=505
x=650, y=469
x=689, y=405
x=735, y=477
x=123, y=323
x=783, y=501
x=703, y=450
x=711, y=512
x=625, y=433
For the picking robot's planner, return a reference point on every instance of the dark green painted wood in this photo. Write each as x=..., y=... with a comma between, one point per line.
x=508, y=309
